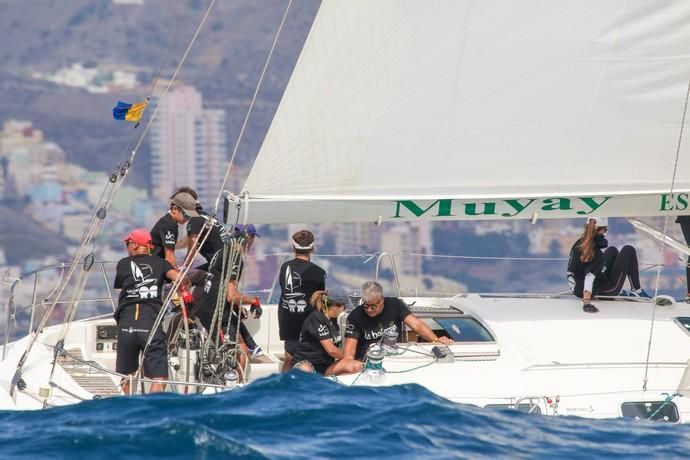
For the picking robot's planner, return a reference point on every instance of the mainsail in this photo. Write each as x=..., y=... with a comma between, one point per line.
x=452, y=109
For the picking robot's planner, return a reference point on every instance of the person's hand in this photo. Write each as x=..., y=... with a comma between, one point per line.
x=224, y=235
x=185, y=283
x=255, y=308
x=445, y=340
x=186, y=296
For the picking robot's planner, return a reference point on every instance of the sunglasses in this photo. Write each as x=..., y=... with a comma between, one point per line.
x=370, y=306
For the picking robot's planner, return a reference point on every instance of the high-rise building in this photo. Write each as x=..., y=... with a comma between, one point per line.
x=357, y=238
x=412, y=238
x=188, y=146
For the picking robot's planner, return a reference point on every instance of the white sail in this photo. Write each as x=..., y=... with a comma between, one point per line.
x=452, y=109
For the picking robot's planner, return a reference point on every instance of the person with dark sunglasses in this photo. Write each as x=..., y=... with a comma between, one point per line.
x=378, y=315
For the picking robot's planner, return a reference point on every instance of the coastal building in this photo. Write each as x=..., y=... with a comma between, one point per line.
x=413, y=238
x=188, y=146
x=357, y=238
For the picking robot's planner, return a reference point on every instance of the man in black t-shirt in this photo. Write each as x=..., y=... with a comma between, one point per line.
x=165, y=232
x=299, y=279
x=140, y=278
x=378, y=314
x=212, y=250
x=205, y=305
x=195, y=232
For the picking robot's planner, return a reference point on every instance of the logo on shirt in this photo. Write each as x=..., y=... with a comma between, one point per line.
x=371, y=334
x=293, y=301
x=323, y=330
x=145, y=285
x=170, y=238
x=337, y=339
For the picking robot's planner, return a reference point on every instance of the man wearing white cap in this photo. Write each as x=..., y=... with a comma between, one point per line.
x=592, y=271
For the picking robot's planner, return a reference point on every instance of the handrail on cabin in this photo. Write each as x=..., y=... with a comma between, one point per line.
x=11, y=308
x=10, y=304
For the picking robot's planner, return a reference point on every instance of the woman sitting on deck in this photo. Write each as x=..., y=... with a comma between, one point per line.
x=320, y=338
x=592, y=271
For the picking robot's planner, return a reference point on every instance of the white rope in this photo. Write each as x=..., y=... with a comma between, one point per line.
x=663, y=242
x=108, y=195
x=251, y=106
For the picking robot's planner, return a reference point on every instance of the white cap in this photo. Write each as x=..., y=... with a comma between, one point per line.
x=600, y=221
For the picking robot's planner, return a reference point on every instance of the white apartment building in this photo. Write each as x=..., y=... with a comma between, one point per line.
x=188, y=146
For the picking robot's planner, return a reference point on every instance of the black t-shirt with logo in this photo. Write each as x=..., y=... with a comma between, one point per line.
x=299, y=279
x=140, y=279
x=368, y=330
x=205, y=306
x=317, y=327
x=164, y=235
x=213, y=243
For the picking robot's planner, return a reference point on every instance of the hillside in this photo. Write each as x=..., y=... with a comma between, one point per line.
x=42, y=36
x=27, y=238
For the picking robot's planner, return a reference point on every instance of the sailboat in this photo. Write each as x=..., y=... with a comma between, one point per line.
x=407, y=110
x=460, y=110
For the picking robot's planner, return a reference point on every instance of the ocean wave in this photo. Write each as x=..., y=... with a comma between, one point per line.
x=297, y=415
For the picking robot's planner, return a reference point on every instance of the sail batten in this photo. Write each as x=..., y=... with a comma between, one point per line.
x=399, y=100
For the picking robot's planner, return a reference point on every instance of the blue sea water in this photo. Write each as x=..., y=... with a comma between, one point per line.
x=297, y=415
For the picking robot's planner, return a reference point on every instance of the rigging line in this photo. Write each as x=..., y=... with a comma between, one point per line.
x=232, y=255
x=251, y=106
x=168, y=49
x=663, y=240
x=173, y=77
x=124, y=170
x=96, y=223
x=154, y=84
x=152, y=89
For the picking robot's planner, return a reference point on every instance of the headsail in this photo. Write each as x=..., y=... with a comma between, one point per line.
x=409, y=109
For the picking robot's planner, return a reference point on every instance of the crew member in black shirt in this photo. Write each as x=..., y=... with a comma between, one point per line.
x=378, y=314
x=205, y=304
x=214, y=245
x=196, y=233
x=320, y=338
x=299, y=279
x=140, y=278
x=593, y=272
x=165, y=232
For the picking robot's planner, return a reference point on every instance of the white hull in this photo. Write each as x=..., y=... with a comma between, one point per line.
x=548, y=354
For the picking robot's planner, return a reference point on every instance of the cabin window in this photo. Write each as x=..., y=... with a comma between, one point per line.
x=465, y=329
x=660, y=411
x=522, y=407
x=683, y=322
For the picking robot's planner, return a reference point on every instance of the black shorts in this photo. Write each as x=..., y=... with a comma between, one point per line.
x=318, y=367
x=321, y=367
x=290, y=346
x=131, y=340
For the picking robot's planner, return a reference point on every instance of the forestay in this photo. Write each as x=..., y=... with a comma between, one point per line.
x=410, y=109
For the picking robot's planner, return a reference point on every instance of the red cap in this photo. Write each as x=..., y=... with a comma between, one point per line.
x=140, y=236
